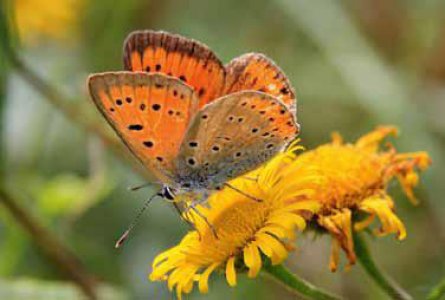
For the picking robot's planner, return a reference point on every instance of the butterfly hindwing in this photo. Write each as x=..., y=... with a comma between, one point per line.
x=255, y=71
x=233, y=135
x=150, y=112
x=177, y=56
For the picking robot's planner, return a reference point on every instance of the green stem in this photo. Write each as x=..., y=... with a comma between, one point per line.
x=438, y=291
x=296, y=284
x=391, y=288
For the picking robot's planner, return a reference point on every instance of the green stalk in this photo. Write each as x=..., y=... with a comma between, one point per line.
x=388, y=285
x=295, y=284
x=438, y=291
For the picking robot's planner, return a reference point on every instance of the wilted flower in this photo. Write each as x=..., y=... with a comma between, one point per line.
x=355, y=179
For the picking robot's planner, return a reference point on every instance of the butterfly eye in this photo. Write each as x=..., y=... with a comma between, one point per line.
x=156, y=107
x=270, y=146
x=271, y=119
x=240, y=120
x=128, y=99
x=142, y=106
x=215, y=148
x=191, y=161
x=118, y=101
x=254, y=130
x=193, y=144
x=182, y=77
x=158, y=67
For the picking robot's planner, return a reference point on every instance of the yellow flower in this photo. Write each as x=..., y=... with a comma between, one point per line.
x=51, y=18
x=354, y=179
x=246, y=229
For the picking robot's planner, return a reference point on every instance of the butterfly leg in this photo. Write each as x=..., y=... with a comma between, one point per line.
x=183, y=215
x=196, y=210
x=250, y=178
x=242, y=193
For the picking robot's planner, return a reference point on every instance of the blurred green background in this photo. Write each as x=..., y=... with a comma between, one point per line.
x=355, y=64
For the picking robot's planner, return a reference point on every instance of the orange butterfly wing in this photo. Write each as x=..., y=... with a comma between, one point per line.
x=177, y=56
x=150, y=112
x=255, y=71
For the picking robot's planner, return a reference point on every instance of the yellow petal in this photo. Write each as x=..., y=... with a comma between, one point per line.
x=179, y=292
x=279, y=252
x=333, y=261
x=372, y=140
x=252, y=259
x=287, y=220
x=160, y=271
x=230, y=271
x=277, y=231
x=381, y=205
x=188, y=285
x=204, y=278
x=264, y=247
x=312, y=206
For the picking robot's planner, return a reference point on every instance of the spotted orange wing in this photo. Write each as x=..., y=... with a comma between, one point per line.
x=255, y=71
x=177, y=56
x=150, y=113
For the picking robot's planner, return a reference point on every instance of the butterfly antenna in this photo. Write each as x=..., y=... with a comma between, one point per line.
x=136, y=220
x=144, y=185
x=141, y=186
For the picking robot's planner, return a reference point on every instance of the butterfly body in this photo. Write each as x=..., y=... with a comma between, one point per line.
x=191, y=121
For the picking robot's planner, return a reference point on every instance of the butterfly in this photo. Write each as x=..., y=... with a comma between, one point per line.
x=193, y=122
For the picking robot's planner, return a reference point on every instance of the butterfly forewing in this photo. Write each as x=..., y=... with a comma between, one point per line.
x=255, y=71
x=233, y=135
x=177, y=56
x=150, y=112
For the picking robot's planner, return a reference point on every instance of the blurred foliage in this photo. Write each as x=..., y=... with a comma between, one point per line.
x=42, y=290
x=354, y=65
x=69, y=195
